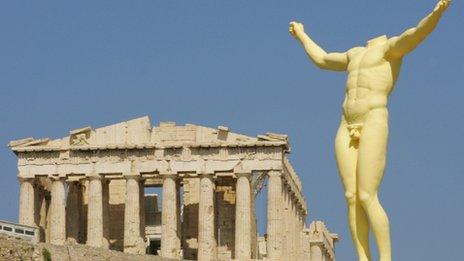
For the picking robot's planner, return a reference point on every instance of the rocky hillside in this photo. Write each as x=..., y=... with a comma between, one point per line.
x=15, y=249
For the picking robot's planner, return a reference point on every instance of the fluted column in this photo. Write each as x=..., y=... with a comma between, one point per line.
x=274, y=215
x=58, y=212
x=142, y=208
x=43, y=210
x=48, y=217
x=27, y=201
x=95, y=212
x=73, y=212
x=133, y=242
x=254, y=227
x=243, y=217
x=294, y=226
x=206, y=227
x=301, y=233
x=170, y=242
x=286, y=225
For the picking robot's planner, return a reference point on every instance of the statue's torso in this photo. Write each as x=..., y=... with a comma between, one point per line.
x=371, y=78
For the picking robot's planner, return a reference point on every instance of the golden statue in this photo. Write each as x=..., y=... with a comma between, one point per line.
x=361, y=141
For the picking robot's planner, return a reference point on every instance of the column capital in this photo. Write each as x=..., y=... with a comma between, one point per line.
x=243, y=174
x=168, y=175
x=275, y=173
x=57, y=178
x=94, y=177
x=105, y=179
x=206, y=175
x=132, y=175
x=26, y=179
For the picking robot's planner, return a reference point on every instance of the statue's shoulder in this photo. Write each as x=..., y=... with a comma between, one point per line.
x=355, y=50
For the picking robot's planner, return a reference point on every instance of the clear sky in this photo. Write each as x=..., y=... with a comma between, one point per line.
x=65, y=65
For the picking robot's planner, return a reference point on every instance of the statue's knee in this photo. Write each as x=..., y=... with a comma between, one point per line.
x=365, y=198
x=350, y=197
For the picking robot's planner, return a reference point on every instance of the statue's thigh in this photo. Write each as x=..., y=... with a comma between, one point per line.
x=346, y=155
x=372, y=154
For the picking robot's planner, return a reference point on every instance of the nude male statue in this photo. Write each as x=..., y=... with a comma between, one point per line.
x=361, y=141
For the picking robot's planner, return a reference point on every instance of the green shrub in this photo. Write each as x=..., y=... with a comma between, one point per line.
x=47, y=256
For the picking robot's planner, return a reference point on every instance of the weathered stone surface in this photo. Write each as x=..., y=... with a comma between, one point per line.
x=170, y=241
x=27, y=201
x=322, y=242
x=73, y=209
x=219, y=172
x=16, y=250
x=190, y=223
x=206, y=228
x=243, y=217
x=225, y=197
x=95, y=212
x=58, y=213
x=133, y=242
x=275, y=216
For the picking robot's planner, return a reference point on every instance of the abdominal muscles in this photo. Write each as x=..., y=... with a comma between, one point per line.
x=365, y=92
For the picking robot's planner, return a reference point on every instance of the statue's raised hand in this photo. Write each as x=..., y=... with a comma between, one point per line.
x=442, y=5
x=296, y=29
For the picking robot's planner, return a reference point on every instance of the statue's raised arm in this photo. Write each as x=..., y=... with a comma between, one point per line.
x=324, y=60
x=362, y=138
x=411, y=38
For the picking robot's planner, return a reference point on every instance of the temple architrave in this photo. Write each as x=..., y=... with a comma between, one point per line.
x=89, y=188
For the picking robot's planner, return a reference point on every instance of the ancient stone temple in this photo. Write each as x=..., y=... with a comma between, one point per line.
x=89, y=188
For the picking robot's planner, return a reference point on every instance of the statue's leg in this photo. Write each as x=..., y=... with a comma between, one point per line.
x=371, y=165
x=346, y=153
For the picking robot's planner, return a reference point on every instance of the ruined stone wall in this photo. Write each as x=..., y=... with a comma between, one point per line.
x=117, y=201
x=225, y=213
x=190, y=217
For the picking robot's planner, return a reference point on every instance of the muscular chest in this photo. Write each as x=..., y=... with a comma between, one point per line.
x=366, y=58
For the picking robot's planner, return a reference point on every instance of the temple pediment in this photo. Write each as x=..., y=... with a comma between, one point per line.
x=139, y=133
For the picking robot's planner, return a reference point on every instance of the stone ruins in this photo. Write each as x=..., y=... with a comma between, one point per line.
x=89, y=188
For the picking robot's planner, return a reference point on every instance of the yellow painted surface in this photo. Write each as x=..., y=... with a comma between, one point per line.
x=361, y=141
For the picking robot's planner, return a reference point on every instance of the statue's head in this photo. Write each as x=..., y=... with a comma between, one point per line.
x=377, y=40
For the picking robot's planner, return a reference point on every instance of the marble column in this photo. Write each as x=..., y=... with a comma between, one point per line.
x=106, y=212
x=243, y=217
x=294, y=226
x=302, y=228
x=254, y=227
x=142, y=208
x=206, y=220
x=274, y=215
x=58, y=212
x=73, y=212
x=170, y=242
x=27, y=201
x=43, y=210
x=48, y=217
x=95, y=212
x=286, y=226
x=133, y=242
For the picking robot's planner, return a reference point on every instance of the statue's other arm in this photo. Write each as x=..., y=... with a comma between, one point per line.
x=324, y=60
x=411, y=38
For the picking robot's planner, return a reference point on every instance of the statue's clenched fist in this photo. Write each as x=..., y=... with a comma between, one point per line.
x=442, y=5
x=296, y=29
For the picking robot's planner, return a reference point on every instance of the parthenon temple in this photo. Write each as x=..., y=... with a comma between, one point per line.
x=89, y=188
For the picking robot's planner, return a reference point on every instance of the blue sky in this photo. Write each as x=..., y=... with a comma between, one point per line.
x=65, y=65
